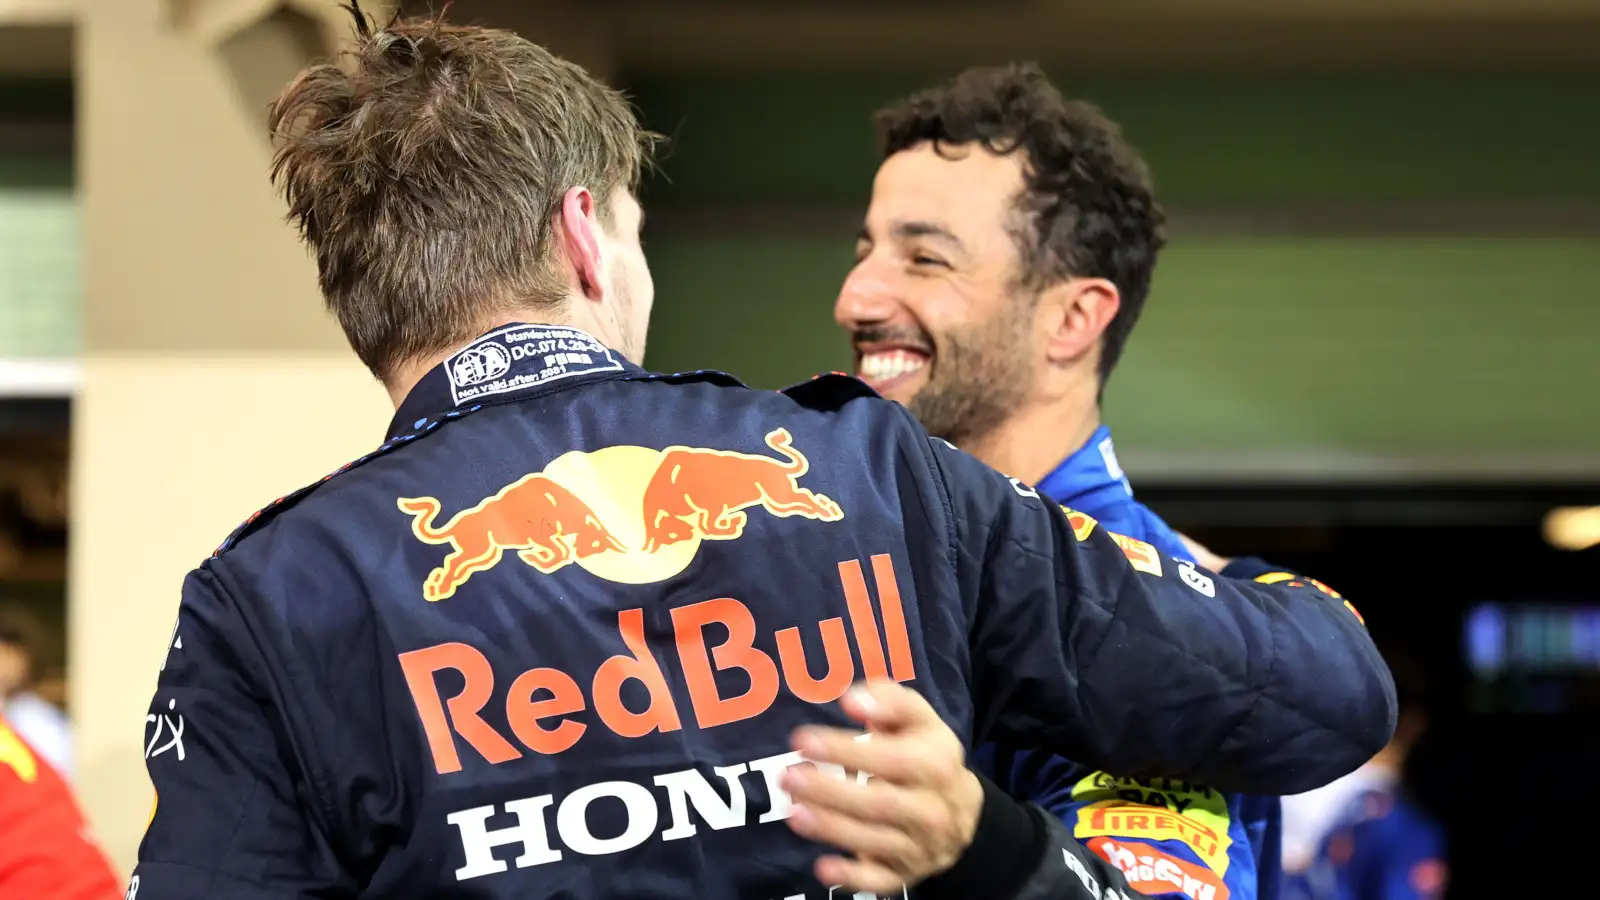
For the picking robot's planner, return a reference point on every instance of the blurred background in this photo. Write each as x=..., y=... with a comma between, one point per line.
x=1372, y=350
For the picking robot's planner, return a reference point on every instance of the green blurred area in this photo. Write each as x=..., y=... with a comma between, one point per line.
x=1210, y=139
x=1288, y=344
x=1293, y=343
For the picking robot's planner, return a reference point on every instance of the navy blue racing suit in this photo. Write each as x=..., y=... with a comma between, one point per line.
x=550, y=640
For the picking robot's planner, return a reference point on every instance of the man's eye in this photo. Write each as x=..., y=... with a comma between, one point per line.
x=922, y=259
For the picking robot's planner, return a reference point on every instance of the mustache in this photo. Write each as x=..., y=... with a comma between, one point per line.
x=908, y=337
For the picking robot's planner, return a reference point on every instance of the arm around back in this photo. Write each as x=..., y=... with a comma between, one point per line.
x=1098, y=648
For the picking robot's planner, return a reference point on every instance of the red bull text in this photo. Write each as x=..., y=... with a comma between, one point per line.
x=543, y=726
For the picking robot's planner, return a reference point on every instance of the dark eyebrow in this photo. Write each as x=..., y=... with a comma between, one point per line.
x=917, y=229
x=924, y=229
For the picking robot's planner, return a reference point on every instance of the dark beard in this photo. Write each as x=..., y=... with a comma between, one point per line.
x=980, y=378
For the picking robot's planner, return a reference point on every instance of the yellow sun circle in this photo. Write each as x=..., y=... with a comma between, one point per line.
x=612, y=480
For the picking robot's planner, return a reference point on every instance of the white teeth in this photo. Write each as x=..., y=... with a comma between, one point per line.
x=892, y=364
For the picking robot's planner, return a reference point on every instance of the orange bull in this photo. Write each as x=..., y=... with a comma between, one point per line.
x=703, y=493
x=546, y=523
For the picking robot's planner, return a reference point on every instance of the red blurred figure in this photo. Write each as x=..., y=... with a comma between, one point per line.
x=45, y=850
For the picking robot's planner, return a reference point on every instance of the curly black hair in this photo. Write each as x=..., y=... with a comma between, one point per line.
x=1088, y=208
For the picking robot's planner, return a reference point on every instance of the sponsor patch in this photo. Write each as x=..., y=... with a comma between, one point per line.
x=1203, y=805
x=1082, y=523
x=1302, y=581
x=1144, y=557
x=1122, y=820
x=1150, y=871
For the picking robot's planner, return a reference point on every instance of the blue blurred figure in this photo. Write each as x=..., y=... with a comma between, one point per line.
x=1363, y=837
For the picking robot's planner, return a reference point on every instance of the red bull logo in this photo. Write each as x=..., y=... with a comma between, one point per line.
x=544, y=522
x=703, y=493
x=627, y=514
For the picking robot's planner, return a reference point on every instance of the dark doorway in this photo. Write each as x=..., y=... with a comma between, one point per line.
x=1507, y=626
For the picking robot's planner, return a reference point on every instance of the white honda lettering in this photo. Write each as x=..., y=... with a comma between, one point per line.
x=771, y=769
x=479, y=842
x=572, y=817
x=686, y=789
x=690, y=795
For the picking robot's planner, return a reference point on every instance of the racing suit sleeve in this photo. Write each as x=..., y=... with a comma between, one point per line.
x=1173, y=839
x=1020, y=852
x=236, y=813
x=1098, y=649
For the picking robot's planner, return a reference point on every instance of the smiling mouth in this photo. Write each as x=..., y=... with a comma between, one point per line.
x=890, y=368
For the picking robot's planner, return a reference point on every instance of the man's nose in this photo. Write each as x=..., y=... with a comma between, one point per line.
x=864, y=299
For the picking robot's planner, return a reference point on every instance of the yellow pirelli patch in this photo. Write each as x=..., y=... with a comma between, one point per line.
x=1124, y=819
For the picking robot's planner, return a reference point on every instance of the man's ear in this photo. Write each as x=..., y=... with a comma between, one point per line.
x=580, y=239
x=1077, y=313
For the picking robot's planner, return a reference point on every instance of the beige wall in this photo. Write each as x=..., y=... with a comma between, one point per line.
x=212, y=381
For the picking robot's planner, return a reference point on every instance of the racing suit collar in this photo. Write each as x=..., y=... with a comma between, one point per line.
x=1092, y=471
x=512, y=361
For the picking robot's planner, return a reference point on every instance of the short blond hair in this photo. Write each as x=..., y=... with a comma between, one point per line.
x=426, y=176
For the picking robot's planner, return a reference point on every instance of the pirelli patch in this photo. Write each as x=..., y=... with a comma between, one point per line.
x=1123, y=821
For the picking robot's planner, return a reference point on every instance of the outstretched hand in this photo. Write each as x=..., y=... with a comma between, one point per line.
x=911, y=818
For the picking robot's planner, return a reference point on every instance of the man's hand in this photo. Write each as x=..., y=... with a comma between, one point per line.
x=916, y=813
x=1203, y=556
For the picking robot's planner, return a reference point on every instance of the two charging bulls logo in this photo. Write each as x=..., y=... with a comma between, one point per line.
x=626, y=514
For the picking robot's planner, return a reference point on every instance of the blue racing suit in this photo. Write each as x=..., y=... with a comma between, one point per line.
x=551, y=639
x=1201, y=844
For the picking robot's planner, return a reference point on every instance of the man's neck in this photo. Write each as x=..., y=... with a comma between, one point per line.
x=407, y=375
x=1031, y=443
